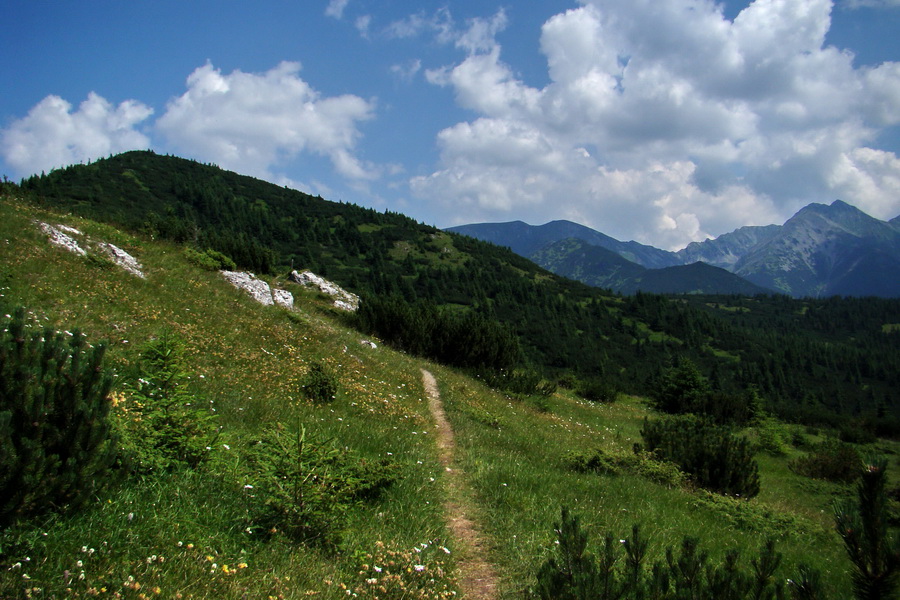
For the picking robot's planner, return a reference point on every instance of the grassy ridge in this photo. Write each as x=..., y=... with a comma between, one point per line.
x=248, y=360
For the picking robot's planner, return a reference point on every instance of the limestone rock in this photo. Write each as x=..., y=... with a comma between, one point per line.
x=248, y=282
x=122, y=258
x=343, y=299
x=63, y=240
x=283, y=298
x=64, y=236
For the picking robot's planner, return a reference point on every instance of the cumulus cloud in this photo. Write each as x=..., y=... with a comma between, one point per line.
x=52, y=135
x=336, y=8
x=668, y=110
x=872, y=3
x=252, y=122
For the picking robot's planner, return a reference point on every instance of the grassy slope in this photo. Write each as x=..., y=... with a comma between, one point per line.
x=251, y=359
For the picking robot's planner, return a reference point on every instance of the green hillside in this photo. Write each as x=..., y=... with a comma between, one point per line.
x=815, y=361
x=196, y=531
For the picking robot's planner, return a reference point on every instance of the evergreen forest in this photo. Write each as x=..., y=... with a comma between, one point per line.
x=832, y=361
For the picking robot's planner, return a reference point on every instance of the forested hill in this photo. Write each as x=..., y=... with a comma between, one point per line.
x=812, y=360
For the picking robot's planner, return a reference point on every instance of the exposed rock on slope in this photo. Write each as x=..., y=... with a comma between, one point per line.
x=64, y=237
x=343, y=299
x=259, y=289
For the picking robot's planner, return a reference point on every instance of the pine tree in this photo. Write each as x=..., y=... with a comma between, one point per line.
x=864, y=528
x=55, y=439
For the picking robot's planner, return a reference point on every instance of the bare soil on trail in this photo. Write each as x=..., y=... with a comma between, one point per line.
x=477, y=578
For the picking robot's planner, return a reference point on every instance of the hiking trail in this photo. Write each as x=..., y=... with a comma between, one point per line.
x=477, y=578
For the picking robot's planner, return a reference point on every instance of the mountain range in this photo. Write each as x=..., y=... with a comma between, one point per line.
x=823, y=250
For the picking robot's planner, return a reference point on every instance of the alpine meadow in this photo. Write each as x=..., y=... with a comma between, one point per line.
x=477, y=427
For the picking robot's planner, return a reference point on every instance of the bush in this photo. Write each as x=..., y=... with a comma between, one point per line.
x=163, y=425
x=856, y=433
x=831, y=460
x=641, y=463
x=304, y=487
x=319, y=384
x=597, y=390
x=863, y=527
x=771, y=437
x=619, y=570
x=518, y=382
x=57, y=443
x=716, y=459
x=210, y=260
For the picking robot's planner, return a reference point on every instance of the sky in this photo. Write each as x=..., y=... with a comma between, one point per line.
x=661, y=121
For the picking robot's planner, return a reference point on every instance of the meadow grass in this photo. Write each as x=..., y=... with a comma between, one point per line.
x=191, y=532
x=519, y=471
x=163, y=534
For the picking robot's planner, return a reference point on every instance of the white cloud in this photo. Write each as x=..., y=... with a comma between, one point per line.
x=52, y=135
x=362, y=25
x=872, y=3
x=440, y=24
x=253, y=122
x=666, y=112
x=336, y=8
x=408, y=70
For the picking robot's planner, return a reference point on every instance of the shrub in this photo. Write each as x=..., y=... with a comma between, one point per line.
x=597, y=390
x=574, y=573
x=641, y=463
x=163, y=425
x=831, y=460
x=856, y=433
x=771, y=437
x=863, y=527
x=519, y=382
x=716, y=459
x=304, y=487
x=57, y=444
x=319, y=384
x=210, y=260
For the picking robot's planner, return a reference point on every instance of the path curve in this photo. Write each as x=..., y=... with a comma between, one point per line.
x=478, y=580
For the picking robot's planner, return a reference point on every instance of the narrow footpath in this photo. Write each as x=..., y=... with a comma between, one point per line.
x=477, y=578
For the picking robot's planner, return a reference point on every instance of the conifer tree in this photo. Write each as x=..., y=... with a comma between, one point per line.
x=55, y=439
x=864, y=529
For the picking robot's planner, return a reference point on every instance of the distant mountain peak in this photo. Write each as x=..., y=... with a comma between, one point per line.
x=824, y=249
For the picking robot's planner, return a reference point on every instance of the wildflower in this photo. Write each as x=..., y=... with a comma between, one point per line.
x=419, y=568
x=79, y=564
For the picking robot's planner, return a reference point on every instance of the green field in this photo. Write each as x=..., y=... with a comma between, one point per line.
x=191, y=532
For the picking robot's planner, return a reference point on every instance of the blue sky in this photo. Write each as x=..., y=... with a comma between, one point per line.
x=664, y=121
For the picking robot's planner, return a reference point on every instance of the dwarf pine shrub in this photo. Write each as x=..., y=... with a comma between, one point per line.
x=619, y=571
x=863, y=526
x=208, y=259
x=831, y=460
x=56, y=444
x=711, y=454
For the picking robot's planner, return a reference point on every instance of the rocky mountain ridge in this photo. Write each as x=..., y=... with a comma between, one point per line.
x=823, y=250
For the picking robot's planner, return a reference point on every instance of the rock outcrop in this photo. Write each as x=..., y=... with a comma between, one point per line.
x=64, y=237
x=343, y=299
x=261, y=291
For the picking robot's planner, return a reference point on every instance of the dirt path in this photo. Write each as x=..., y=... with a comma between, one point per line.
x=478, y=581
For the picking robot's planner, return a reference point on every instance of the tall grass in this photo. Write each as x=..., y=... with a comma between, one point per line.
x=187, y=533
